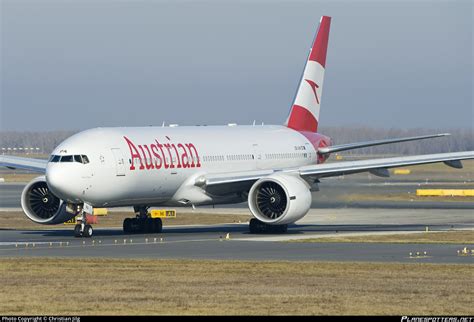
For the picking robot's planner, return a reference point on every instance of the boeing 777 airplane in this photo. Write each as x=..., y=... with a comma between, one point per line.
x=272, y=167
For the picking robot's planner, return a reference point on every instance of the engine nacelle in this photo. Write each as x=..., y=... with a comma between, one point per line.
x=41, y=205
x=279, y=199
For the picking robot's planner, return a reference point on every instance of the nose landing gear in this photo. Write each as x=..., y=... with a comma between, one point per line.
x=83, y=229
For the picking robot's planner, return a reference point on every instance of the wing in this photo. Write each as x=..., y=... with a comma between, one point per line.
x=35, y=165
x=351, y=146
x=223, y=183
x=350, y=167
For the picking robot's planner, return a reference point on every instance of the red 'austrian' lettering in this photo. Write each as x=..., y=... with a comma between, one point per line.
x=157, y=155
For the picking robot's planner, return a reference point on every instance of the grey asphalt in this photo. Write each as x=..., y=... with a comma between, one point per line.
x=209, y=242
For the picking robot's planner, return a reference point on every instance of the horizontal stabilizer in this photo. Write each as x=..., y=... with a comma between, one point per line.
x=350, y=146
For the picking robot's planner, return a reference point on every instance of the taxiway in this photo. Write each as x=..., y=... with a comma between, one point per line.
x=209, y=242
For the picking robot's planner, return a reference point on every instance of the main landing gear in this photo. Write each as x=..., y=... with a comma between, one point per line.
x=258, y=227
x=142, y=223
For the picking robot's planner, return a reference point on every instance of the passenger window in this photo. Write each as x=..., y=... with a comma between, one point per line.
x=77, y=158
x=66, y=158
x=85, y=159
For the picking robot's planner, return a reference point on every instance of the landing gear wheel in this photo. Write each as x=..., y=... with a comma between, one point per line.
x=88, y=231
x=77, y=231
x=127, y=226
x=157, y=225
x=135, y=225
x=142, y=225
x=258, y=227
x=149, y=225
x=279, y=229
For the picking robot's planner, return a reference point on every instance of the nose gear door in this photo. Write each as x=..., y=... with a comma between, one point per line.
x=119, y=161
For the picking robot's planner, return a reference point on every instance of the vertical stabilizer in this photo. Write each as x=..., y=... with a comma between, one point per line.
x=304, y=113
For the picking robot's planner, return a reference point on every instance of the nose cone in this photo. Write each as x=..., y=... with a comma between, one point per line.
x=61, y=181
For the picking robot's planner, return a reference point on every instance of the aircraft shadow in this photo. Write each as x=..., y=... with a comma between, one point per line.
x=243, y=230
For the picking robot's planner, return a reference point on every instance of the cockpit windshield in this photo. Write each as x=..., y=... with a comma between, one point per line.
x=66, y=158
x=70, y=158
x=55, y=158
x=78, y=158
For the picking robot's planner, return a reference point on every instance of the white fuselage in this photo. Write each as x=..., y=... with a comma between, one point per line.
x=159, y=165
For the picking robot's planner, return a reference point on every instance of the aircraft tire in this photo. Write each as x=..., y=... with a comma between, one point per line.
x=127, y=225
x=77, y=231
x=149, y=225
x=88, y=231
x=157, y=225
x=142, y=225
x=256, y=226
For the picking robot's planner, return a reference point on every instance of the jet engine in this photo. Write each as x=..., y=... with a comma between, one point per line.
x=279, y=199
x=41, y=205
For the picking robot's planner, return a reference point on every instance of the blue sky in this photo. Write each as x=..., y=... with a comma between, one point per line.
x=81, y=64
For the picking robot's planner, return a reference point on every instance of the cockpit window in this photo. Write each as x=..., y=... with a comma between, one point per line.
x=70, y=158
x=85, y=159
x=66, y=158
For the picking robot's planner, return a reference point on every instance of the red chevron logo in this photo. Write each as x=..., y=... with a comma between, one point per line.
x=313, y=87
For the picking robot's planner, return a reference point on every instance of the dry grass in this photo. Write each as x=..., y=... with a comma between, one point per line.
x=450, y=237
x=125, y=286
x=18, y=220
x=19, y=177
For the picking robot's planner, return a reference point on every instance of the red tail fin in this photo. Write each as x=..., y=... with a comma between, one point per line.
x=304, y=113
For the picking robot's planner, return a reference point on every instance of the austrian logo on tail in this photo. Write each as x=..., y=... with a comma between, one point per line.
x=304, y=112
x=313, y=87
